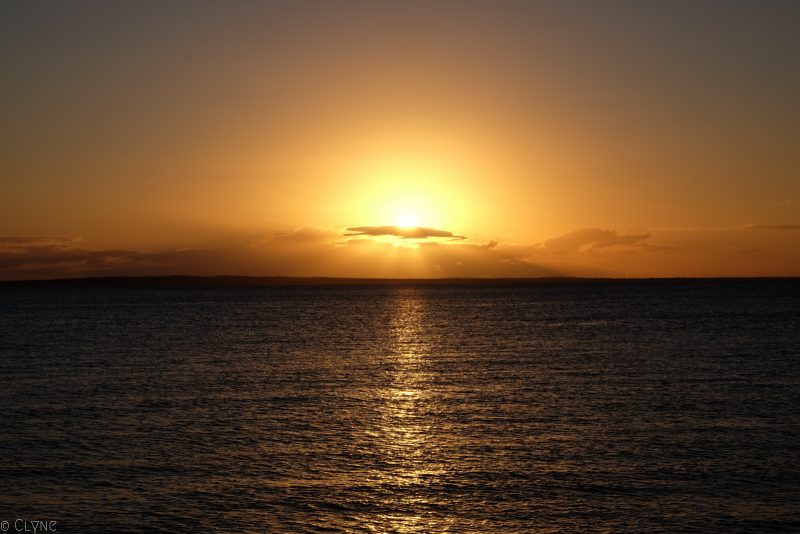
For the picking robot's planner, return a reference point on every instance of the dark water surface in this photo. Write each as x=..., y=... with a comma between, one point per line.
x=563, y=407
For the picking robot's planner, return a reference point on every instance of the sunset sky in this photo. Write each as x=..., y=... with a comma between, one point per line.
x=400, y=139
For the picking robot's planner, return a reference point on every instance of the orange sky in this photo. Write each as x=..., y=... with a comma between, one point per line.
x=622, y=139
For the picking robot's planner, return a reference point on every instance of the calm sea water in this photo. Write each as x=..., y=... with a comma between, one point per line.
x=658, y=407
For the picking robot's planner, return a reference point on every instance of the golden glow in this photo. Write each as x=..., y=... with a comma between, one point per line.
x=407, y=220
x=443, y=118
x=408, y=191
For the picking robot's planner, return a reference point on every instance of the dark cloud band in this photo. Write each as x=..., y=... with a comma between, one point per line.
x=405, y=233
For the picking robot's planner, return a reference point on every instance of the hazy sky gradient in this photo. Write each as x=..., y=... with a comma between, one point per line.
x=599, y=138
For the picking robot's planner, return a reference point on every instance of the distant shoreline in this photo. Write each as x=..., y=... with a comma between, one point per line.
x=280, y=281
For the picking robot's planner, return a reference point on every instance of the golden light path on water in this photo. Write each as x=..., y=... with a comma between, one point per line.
x=407, y=434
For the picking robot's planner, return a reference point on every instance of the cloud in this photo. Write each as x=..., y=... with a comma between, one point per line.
x=313, y=251
x=772, y=227
x=7, y=242
x=46, y=257
x=464, y=260
x=303, y=252
x=405, y=233
x=302, y=236
x=590, y=238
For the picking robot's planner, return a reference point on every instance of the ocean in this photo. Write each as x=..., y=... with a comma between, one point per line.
x=570, y=406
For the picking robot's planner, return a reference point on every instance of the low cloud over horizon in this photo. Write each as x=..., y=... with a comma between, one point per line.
x=312, y=251
x=588, y=238
x=306, y=251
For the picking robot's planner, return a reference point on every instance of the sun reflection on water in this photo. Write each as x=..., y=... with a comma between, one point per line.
x=408, y=437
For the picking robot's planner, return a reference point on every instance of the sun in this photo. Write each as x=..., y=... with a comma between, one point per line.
x=406, y=220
